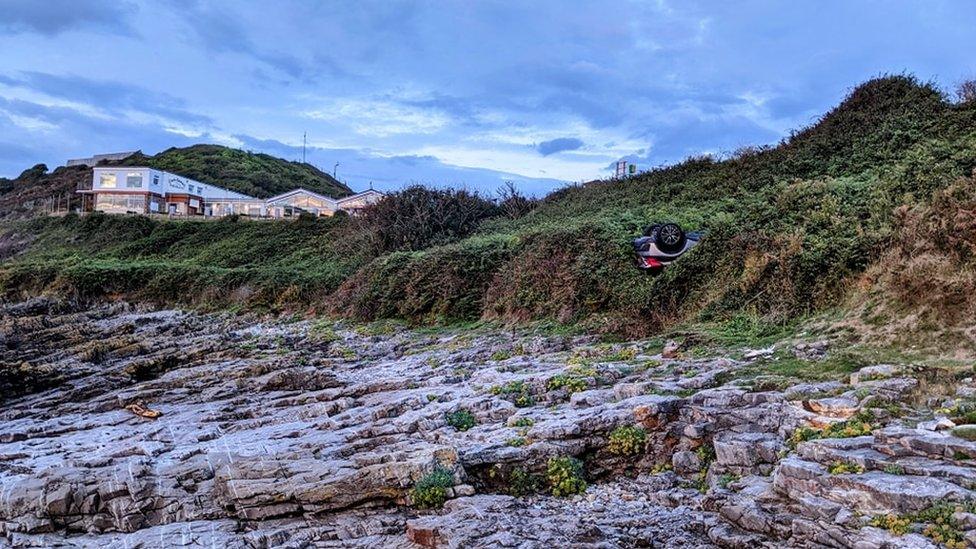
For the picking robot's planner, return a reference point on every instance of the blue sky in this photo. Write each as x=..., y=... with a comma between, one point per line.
x=463, y=93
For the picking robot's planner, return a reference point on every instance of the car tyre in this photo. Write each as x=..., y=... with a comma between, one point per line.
x=670, y=239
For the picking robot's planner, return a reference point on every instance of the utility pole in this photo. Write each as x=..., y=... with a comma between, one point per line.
x=334, y=168
x=304, y=135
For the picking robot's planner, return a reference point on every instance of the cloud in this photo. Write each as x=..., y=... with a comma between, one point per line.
x=360, y=169
x=560, y=144
x=109, y=96
x=52, y=17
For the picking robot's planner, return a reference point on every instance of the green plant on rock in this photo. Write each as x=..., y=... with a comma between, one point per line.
x=660, y=468
x=894, y=469
x=430, y=492
x=898, y=526
x=844, y=468
x=843, y=429
x=516, y=391
x=565, y=476
x=726, y=479
x=523, y=422
x=623, y=355
x=572, y=384
x=627, y=440
x=522, y=483
x=516, y=442
x=500, y=355
x=461, y=420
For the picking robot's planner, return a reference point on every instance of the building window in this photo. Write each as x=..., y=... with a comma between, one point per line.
x=120, y=203
x=155, y=180
x=133, y=180
x=108, y=180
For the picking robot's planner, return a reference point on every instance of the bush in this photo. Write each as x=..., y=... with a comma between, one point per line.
x=565, y=476
x=515, y=391
x=522, y=483
x=430, y=492
x=627, y=440
x=418, y=217
x=461, y=420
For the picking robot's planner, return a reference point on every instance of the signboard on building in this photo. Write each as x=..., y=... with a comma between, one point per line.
x=621, y=171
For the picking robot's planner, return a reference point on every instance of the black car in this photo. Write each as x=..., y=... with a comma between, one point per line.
x=661, y=244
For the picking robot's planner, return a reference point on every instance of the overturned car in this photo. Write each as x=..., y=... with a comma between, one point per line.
x=661, y=244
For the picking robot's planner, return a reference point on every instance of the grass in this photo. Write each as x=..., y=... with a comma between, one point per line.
x=791, y=228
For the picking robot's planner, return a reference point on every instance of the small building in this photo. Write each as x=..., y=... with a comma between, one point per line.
x=93, y=161
x=139, y=190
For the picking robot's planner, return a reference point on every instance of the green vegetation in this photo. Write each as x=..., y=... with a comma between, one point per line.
x=430, y=492
x=789, y=229
x=894, y=469
x=522, y=483
x=461, y=420
x=255, y=174
x=844, y=468
x=627, y=440
x=937, y=520
x=565, y=476
x=853, y=427
x=516, y=391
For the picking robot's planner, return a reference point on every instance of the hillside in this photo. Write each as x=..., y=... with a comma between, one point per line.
x=35, y=190
x=256, y=174
x=795, y=229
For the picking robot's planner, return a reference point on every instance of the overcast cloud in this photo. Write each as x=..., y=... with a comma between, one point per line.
x=460, y=93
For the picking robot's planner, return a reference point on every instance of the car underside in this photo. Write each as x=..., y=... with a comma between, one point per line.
x=661, y=244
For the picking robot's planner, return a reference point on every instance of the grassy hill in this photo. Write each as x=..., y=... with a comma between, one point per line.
x=35, y=190
x=833, y=218
x=256, y=174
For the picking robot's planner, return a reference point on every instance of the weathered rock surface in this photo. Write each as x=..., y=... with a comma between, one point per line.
x=313, y=434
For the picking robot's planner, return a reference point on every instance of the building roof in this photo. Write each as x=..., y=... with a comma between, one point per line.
x=300, y=190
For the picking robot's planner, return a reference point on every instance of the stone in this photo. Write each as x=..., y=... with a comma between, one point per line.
x=671, y=349
x=686, y=462
x=871, y=373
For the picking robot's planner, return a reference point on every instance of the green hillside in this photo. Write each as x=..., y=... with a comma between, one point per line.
x=812, y=224
x=256, y=174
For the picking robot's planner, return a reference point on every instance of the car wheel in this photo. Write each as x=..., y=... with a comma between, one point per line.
x=670, y=238
x=651, y=230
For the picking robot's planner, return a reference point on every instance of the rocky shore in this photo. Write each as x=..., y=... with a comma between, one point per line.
x=126, y=427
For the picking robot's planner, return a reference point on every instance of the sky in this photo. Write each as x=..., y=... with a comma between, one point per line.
x=452, y=93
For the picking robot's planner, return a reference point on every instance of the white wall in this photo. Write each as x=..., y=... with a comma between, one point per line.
x=159, y=182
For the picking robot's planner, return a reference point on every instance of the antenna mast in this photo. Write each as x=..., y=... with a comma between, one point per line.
x=303, y=146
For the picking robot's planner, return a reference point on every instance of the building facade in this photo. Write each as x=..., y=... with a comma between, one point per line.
x=138, y=190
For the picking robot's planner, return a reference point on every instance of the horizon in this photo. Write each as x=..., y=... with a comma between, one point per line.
x=456, y=94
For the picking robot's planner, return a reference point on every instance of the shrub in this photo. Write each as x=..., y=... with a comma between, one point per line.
x=430, y=492
x=565, y=476
x=843, y=429
x=898, y=526
x=461, y=420
x=516, y=391
x=418, y=217
x=627, y=440
x=894, y=469
x=573, y=384
x=844, y=468
x=522, y=483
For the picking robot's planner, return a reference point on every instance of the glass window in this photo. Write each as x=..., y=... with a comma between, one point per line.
x=120, y=203
x=133, y=180
x=155, y=180
x=108, y=180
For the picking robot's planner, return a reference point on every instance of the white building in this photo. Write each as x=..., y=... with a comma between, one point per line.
x=124, y=189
